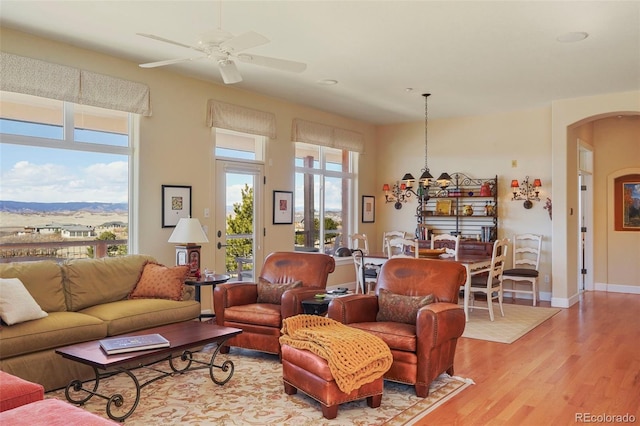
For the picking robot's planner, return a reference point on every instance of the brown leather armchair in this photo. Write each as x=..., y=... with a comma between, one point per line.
x=423, y=351
x=235, y=304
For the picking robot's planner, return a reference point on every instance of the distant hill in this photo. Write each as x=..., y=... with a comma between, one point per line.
x=21, y=207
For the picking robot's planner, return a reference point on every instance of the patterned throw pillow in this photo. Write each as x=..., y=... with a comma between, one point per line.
x=400, y=308
x=160, y=282
x=272, y=293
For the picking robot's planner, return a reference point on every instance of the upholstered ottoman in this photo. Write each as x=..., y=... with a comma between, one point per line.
x=310, y=373
x=52, y=412
x=15, y=391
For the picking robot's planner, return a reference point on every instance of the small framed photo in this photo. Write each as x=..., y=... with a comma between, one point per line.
x=176, y=204
x=368, y=209
x=443, y=207
x=282, y=207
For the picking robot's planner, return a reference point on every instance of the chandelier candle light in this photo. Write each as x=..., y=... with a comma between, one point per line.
x=188, y=233
x=526, y=191
x=401, y=192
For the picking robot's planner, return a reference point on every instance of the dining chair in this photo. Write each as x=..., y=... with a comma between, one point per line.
x=489, y=280
x=359, y=241
x=365, y=282
x=390, y=234
x=449, y=242
x=526, y=261
x=402, y=247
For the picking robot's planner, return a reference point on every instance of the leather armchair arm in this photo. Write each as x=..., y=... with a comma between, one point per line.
x=234, y=294
x=353, y=308
x=438, y=323
x=291, y=302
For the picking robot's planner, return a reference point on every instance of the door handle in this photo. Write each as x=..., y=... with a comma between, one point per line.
x=220, y=245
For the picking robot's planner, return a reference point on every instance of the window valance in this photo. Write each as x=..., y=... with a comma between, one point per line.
x=39, y=78
x=240, y=119
x=321, y=134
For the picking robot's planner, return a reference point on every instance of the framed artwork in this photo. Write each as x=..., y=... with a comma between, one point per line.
x=368, y=209
x=176, y=204
x=443, y=207
x=626, y=194
x=282, y=207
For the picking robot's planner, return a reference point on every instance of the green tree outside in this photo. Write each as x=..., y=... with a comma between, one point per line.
x=240, y=222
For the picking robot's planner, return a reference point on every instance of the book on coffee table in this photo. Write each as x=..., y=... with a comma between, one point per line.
x=118, y=345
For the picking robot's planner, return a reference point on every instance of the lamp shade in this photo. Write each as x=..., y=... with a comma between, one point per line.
x=514, y=184
x=188, y=230
x=385, y=187
x=537, y=183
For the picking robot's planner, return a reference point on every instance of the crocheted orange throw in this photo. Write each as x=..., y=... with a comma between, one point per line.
x=355, y=357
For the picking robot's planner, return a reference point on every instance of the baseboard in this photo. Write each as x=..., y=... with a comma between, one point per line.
x=543, y=295
x=617, y=288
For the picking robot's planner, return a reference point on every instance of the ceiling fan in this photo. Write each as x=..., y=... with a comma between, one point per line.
x=223, y=48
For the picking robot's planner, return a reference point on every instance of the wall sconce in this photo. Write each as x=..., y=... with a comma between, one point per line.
x=398, y=193
x=526, y=191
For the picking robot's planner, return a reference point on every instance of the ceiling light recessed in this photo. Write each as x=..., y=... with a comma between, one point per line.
x=572, y=37
x=327, y=82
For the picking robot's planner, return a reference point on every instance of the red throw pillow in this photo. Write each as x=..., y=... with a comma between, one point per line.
x=160, y=282
x=399, y=308
x=272, y=293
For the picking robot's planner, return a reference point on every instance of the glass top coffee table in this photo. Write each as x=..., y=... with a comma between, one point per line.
x=182, y=337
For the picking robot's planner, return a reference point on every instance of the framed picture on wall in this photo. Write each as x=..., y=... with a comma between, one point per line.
x=368, y=209
x=627, y=203
x=282, y=207
x=176, y=204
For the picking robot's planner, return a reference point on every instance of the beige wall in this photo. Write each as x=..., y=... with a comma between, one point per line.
x=567, y=115
x=617, y=254
x=481, y=147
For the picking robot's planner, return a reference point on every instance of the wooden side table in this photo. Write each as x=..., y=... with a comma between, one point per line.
x=211, y=280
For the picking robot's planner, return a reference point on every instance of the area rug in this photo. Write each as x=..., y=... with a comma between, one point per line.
x=518, y=320
x=255, y=396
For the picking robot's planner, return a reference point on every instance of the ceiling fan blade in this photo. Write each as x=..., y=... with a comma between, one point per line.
x=280, y=64
x=229, y=71
x=167, y=62
x=244, y=41
x=166, y=40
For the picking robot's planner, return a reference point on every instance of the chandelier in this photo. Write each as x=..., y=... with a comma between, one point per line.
x=401, y=192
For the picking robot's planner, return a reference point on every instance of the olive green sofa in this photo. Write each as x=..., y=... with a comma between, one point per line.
x=86, y=299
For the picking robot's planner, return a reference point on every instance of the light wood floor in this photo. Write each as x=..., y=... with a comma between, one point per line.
x=585, y=359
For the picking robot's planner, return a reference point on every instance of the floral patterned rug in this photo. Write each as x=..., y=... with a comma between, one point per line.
x=254, y=396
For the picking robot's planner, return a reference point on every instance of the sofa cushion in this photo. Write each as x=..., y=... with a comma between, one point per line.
x=90, y=282
x=56, y=330
x=400, y=308
x=43, y=279
x=272, y=292
x=126, y=316
x=160, y=282
x=16, y=304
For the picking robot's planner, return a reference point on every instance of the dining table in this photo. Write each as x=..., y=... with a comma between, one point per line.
x=472, y=263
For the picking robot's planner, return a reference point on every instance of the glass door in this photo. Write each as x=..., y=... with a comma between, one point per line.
x=239, y=227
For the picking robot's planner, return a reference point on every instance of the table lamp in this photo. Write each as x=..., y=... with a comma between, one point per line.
x=188, y=233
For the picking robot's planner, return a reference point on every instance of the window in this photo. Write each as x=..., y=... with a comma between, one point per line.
x=65, y=172
x=324, y=188
x=241, y=146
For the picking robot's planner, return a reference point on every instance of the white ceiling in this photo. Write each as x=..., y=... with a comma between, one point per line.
x=475, y=57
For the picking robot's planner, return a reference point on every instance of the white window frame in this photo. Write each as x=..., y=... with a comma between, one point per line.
x=68, y=142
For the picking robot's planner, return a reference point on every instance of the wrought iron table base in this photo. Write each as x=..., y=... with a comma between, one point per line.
x=117, y=400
